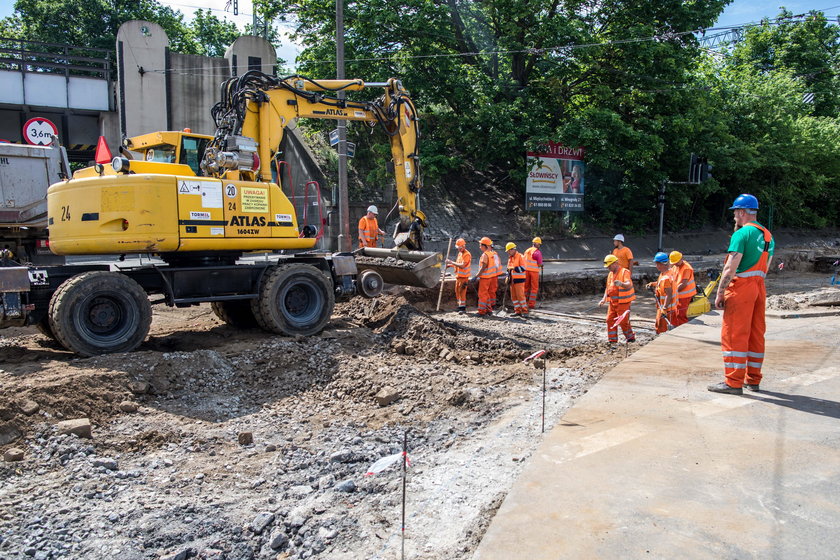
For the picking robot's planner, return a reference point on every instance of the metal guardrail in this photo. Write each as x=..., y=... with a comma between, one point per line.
x=70, y=60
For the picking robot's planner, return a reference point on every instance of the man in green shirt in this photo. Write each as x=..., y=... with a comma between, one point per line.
x=742, y=296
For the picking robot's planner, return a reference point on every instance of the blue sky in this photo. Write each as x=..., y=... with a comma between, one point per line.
x=736, y=13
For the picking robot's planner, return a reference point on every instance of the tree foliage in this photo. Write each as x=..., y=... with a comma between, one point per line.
x=625, y=80
x=94, y=23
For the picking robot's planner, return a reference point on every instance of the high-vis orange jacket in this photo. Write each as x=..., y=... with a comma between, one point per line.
x=533, y=259
x=516, y=268
x=368, y=232
x=681, y=273
x=490, y=260
x=620, y=295
x=462, y=265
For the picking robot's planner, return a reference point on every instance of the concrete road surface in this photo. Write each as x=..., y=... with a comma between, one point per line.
x=649, y=464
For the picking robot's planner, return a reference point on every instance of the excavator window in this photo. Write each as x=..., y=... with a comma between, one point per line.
x=192, y=150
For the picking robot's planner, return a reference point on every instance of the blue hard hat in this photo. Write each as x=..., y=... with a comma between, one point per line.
x=745, y=201
x=661, y=257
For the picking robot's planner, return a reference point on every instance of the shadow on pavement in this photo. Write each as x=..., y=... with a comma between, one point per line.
x=820, y=407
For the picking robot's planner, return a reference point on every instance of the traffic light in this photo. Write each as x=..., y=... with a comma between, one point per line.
x=699, y=170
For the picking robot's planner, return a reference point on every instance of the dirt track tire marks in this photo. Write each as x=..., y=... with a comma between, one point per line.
x=295, y=299
x=100, y=313
x=237, y=314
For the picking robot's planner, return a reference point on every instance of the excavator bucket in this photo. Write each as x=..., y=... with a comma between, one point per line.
x=701, y=303
x=400, y=266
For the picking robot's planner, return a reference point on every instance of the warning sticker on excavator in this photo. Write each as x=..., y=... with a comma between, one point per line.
x=209, y=191
x=255, y=200
x=408, y=170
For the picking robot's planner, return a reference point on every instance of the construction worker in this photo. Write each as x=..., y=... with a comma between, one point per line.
x=663, y=291
x=683, y=275
x=533, y=267
x=516, y=279
x=624, y=254
x=369, y=231
x=462, y=273
x=489, y=269
x=620, y=293
x=742, y=296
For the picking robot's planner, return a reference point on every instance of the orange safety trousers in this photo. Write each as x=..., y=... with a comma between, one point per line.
x=661, y=324
x=680, y=316
x=616, y=309
x=461, y=292
x=742, y=334
x=532, y=287
x=517, y=297
x=487, y=294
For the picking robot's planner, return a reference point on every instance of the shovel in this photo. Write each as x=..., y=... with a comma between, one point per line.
x=502, y=313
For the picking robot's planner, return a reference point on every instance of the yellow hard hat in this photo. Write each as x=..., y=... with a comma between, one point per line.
x=510, y=245
x=536, y=240
x=609, y=259
x=486, y=241
x=675, y=257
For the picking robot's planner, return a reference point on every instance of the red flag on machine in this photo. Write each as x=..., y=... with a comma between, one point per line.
x=103, y=153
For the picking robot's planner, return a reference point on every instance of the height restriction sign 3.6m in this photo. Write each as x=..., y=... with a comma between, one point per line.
x=39, y=131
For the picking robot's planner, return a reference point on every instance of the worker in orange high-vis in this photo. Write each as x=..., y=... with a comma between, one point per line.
x=489, y=268
x=369, y=231
x=742, y=296
x=663, y=291
x=624, y=254
x=620, y=294
x=516, y=279
x=683, y=275
x=533, y=267
x=462, y=273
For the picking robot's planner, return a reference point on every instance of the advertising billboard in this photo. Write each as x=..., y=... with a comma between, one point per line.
x=555, y=178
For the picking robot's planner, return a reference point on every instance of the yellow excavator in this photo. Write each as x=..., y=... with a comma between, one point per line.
x=199, y=203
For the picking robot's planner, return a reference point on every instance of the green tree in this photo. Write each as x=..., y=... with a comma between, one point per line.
x=212, y=35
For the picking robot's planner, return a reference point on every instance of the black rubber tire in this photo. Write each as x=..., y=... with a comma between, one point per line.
x=237, y=313
x=295, y=299
x=100, y=312
x=44, y=328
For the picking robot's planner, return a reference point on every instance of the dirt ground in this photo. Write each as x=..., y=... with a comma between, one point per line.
x=213, y=442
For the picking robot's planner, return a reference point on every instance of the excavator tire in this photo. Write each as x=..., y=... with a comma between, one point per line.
x=100, y=312
x=295, y=299
x=236, y=313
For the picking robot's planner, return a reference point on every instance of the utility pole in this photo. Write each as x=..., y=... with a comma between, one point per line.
x=344, y=239
x=661, y=211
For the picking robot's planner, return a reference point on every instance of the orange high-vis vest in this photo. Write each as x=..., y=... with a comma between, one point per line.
x=761, y=266
x=490, y=260
x=462, y=265
x=663, y=282
x=514, y=262
x=368, y=232
x=620, y=295
x=681, y=273
x=531, y=264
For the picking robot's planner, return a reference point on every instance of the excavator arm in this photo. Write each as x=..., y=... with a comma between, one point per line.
x=256, y=108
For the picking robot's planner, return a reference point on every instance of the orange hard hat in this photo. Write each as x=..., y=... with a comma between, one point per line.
x=486, y=241
x=460, y=243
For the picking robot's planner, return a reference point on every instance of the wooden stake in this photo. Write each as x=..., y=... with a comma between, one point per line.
x=443, y=274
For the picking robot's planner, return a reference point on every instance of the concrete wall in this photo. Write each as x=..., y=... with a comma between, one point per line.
x=142, y=50
x=194, y=89
x=251, y=53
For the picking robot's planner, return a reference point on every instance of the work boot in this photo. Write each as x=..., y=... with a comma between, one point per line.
x=753, y=388
x=722, y=387
x=462, y=310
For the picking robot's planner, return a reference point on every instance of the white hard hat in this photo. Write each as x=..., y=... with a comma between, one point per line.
x=373, y=209
x=619, y=237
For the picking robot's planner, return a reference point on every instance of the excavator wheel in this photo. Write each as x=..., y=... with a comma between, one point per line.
x=295, y=299
x=236, y=313
x=100, y=312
